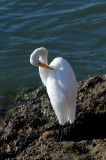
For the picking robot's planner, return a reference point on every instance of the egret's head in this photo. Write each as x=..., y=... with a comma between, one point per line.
x=34, y=58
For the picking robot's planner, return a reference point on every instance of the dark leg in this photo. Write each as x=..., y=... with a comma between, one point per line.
x=60, y=133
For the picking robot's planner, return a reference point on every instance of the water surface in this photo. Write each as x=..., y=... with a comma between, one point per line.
x=75, y=30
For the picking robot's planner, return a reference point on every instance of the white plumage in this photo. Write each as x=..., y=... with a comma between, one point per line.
x=60, y=83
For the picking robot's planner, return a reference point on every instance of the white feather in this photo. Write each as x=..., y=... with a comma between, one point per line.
x=62, y=89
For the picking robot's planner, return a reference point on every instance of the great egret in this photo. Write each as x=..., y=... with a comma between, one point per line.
x=61, y=85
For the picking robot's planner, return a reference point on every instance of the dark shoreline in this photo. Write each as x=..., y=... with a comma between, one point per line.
x=29, y=130
x=10, y=99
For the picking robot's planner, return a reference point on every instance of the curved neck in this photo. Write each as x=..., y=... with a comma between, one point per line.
x=43, y=59
x=43, y=71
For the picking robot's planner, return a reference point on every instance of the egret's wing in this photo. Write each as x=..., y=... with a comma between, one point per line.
x=61, y=84
x=67, y=82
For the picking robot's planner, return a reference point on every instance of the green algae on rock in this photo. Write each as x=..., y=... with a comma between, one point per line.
x=29, y=93
x=21, y=94
x=13, y=110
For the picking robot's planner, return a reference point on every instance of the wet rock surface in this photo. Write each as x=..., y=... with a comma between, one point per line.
x=31, y=132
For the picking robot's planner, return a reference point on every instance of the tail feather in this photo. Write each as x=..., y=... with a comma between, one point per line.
x=72, y=114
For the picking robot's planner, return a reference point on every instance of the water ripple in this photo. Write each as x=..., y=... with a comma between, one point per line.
x=74, y=30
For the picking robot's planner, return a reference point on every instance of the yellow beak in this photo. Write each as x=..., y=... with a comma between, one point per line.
x=44, y=65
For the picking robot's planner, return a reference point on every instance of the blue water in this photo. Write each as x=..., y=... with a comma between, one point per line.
x=75, y=30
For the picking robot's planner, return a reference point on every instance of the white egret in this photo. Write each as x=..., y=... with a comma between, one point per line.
x=61, y=85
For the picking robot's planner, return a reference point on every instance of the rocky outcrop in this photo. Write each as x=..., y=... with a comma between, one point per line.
x=30, y=133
